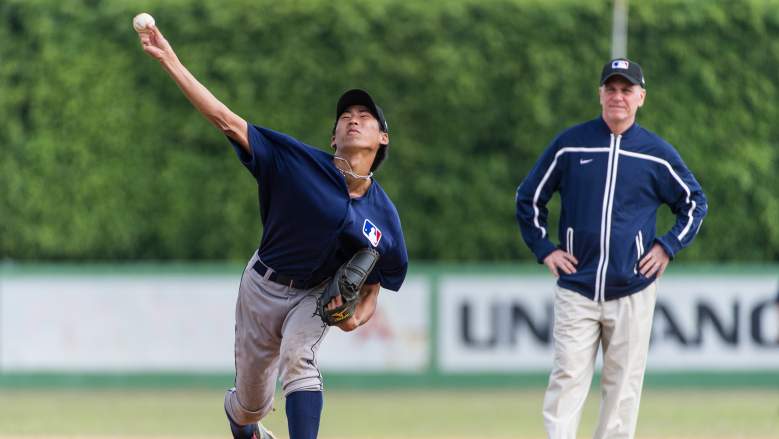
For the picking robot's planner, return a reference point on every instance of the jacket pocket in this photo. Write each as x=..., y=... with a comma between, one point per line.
x=639, y=250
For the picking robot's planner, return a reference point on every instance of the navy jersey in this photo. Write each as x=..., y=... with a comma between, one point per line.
x=310, y=224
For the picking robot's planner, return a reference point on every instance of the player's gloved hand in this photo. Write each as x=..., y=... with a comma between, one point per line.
x=352, y=322
x=337, y=303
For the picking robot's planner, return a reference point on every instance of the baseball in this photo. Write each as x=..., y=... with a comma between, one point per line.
x=142, y=21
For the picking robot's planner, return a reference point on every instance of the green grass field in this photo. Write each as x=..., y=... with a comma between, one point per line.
x=379, y=414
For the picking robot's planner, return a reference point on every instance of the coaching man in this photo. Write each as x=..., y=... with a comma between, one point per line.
x=612, y=176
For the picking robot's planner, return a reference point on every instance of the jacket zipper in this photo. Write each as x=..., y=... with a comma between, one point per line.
x=608, y=204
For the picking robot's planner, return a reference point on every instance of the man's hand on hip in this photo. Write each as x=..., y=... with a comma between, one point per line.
x=655, y=262
x=560, y=260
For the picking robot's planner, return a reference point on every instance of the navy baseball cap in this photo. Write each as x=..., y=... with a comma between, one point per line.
x=625, y=68
x=357, y=96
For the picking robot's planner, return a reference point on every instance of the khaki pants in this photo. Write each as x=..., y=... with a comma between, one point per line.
x=622, y=327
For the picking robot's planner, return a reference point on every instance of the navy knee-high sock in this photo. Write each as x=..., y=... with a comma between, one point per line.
x=303, y=412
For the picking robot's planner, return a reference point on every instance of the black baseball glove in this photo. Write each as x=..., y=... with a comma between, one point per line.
x=347, y=281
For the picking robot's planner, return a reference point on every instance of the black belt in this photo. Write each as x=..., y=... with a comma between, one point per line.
x=281, y=279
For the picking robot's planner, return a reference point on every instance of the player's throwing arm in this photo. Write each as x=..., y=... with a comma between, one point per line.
x=155, y=44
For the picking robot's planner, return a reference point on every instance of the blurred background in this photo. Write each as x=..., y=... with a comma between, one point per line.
x=126, y=219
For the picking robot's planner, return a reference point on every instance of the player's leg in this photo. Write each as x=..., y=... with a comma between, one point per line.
x=627, y=327
x=301, y=379
x=576, y=335
x=304, y=410
x=254, y=430
x=259, y=316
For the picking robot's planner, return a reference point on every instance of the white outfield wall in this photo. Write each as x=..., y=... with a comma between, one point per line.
x=712, y=322
x=441, y=321
x=158, y=323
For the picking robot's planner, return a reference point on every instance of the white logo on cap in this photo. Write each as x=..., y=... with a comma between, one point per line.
x=620, y=64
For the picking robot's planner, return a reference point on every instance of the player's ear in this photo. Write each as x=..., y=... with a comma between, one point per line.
x=643, y=97
x=383, y=138
x=332, y=142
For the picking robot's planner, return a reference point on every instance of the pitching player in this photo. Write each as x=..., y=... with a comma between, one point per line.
x=317, y=209
x=612, y=176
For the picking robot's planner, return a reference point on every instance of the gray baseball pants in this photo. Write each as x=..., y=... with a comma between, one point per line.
x=277, y=336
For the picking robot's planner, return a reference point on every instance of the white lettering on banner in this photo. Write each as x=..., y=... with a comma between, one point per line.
x=505, y=323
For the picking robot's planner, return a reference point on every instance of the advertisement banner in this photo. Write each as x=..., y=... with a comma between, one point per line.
x=709, y=322
x=153, y=323
x=483, y=323
x=118, y=323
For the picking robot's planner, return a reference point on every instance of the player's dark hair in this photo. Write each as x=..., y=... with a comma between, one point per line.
x=381, y=155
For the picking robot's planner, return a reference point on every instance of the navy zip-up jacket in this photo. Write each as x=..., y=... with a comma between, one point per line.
x=610, y=189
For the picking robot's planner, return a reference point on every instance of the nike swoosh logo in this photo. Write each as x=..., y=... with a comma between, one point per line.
x=584, y=161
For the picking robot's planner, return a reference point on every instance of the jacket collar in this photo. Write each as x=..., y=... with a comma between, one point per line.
x=628, y=132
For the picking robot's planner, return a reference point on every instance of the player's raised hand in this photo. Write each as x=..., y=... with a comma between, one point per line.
x=155, y=44
x=655, y=262
x=560, y=260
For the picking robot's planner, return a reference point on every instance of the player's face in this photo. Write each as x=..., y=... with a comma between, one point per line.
x=620, y=100
x=358, y=128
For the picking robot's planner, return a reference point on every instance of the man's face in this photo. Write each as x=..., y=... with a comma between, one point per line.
x=358, y=128
x=620, y=99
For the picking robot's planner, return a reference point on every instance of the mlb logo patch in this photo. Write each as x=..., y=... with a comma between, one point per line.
x=620, y=64
x=371, y=232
